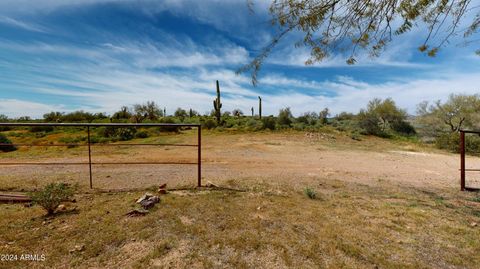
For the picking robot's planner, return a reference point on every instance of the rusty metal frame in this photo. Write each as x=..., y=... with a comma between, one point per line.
x=89, y=144
x=463, y=170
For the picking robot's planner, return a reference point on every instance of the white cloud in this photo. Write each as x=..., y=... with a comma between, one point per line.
x=18, y=108
x=110, y=89
x=22, y=24
x=103, y=77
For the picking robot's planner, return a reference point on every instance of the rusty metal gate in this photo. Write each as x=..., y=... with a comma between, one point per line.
x=463, y=170
x=88, y=126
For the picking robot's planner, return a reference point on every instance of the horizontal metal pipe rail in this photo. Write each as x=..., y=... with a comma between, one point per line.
x=89, y=145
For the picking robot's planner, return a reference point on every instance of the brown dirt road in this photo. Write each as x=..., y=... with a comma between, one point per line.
x=287, y=158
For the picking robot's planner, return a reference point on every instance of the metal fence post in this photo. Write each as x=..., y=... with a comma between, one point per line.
x=199, y=156
x=89, y=157
x=462, y=160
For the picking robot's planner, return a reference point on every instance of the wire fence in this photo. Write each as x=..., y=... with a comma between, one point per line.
x=89, y=144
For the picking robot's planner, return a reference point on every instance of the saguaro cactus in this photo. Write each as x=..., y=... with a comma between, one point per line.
x=252, y=111
x=217, y=105
x=260, y=107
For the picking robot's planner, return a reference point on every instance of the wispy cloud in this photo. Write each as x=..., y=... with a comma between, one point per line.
x=22, y=24
x=18, y=108
x=99, y=65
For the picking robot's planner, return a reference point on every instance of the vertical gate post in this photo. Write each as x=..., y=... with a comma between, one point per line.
x=89, y=157
x=199, y=155
x=462, y=161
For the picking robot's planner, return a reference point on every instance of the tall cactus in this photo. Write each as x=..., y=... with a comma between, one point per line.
x=217, y=105
x=260, y=107
x=252, y=111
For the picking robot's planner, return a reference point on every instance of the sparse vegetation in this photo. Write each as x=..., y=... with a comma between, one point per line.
x=310, y=193
x=52, y=196
x=7, y=144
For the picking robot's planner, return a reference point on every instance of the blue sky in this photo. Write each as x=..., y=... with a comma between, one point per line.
x=98, y=55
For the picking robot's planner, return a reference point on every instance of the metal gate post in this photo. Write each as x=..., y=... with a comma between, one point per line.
x=89, y=157
x=462, y=161
x=199, y=155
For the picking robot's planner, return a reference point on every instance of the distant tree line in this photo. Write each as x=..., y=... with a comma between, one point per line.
x=437, y=122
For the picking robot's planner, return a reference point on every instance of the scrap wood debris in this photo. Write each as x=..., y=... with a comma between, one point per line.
x=137, y=213
x=14, y=198
x=147, y=201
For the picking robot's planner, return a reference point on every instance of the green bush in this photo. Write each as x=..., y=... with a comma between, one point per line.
x=299, y=126
x=403, y=127
x=209, y=124
x=38, y=129
x=269, y=123
x=8, y=144
x=285, y=117
x=448, y=141
x=451, y=142
x=141, y=134
x=125, y=134
x=52, y=196
x=169, y=120
x=117, y=133
x=253, y=125
x=310, y=193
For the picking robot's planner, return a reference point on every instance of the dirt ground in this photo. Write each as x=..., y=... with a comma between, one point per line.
x=379, y=204
x=281, y=158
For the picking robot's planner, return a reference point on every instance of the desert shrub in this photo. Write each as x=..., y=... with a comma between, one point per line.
x=370, y=123
x=448, y=141
x=106, y=131
x=231, y=122
x=253, y=125
x=38, y=129
x=117, y=133
x=168, y=120
x=285, y=117
x=4, y=118
x=299, y=126
x=345, y=116
x=78, y=116
x=451, y=142
x=403, y=127
x=310, y=193
x=209, y=124
x=72, y=140
x=269, y=123
x=8, y=146
x=141, y=134
x=52, y=196
x=356, y=136
x=125, y=134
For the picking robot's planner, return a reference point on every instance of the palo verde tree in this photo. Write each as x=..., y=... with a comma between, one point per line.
x=325, y=27
x=149, y=110
x=123, y=113
x=383, y=115
x=457, y=112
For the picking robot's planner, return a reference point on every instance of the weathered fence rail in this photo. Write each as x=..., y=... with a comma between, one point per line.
x=89, y=143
